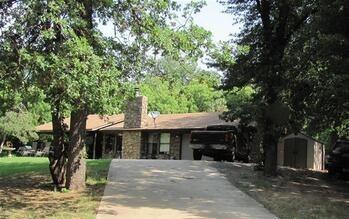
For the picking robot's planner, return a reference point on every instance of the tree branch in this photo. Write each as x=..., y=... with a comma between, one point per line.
x=263, y=8
x=297, y=25
x=2, y=142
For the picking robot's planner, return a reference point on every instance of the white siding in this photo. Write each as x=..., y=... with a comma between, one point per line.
x=310, y=153
x=319, y=158
x=187, y=152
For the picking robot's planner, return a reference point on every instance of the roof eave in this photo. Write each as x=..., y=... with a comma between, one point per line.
x=151, y=129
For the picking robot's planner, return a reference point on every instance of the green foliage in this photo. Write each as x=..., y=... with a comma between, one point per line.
x=31, y=98
x=238, y=97
x=318, y=91
x=175, y=87
x=240, y=105
x=83, y=78
x=9, y=98
x=257, y=58
x=294, y=53
x=56, y=47
x=20, y=125
x=34, y=100
x=145, y=30
x=270, y=27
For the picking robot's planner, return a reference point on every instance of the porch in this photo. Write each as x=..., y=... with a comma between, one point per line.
x=164, y=144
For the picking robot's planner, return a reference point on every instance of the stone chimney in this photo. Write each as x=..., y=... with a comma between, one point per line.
x=135, y=117
x=136, y=113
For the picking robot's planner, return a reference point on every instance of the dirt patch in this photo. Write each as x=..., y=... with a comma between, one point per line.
x=32, y=196
x=294, y=193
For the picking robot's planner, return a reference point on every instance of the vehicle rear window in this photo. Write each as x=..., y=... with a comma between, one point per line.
x=208, y=137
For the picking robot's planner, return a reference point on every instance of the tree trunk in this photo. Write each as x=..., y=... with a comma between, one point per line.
x=256, y=152
x=333, y=139
x=2, y=143
x=276, y=36
x=270, y=134
x=76, y=166
x=58, y=157
x=270, y=154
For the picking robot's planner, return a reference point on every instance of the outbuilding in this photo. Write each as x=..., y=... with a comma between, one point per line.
x=301, y=151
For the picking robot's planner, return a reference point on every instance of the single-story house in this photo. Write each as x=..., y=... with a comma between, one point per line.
x=136, y=135
x=301, y=151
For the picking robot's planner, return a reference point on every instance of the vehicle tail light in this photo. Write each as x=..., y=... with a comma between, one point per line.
x=226, y=137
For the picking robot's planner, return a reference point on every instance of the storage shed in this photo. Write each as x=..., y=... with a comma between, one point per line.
x=301, y=151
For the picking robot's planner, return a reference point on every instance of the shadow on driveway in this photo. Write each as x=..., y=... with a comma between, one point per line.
x=174, y=189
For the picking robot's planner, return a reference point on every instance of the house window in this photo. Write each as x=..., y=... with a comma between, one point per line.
x=164, y=143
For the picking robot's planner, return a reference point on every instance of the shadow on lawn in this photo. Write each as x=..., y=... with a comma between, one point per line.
x=27, y=192
x=32, y=194
x=294, y=193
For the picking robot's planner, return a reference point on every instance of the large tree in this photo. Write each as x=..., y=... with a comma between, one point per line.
x=317, y=64
x=269, y=27
x=57, y=46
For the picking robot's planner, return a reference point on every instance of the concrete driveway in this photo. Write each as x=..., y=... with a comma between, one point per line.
x=151, y=189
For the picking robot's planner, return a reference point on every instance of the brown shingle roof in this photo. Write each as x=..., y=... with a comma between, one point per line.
x=163, y=122
x=178, y=121
x=94, y=122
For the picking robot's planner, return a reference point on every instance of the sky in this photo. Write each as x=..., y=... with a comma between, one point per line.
x=211, y=17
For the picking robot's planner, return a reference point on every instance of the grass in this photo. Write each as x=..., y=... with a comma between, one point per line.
x=18, y=165
x=26, y=190
x=300, y=194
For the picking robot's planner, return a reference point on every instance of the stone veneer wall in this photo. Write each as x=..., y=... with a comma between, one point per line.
x=131, y=144
x=135, y=117
x=175, y=145
x=136, y=113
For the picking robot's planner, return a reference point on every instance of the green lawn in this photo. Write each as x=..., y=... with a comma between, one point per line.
x=26, y=190
x=18, y=165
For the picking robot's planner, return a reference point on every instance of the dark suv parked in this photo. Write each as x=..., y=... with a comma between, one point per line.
x=338, y=159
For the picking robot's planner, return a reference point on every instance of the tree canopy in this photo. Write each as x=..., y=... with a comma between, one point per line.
x=270, y=28
x=20, y=124
x=317, y=71
x=294, y=55
x=56, y=47
x=180, y=87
